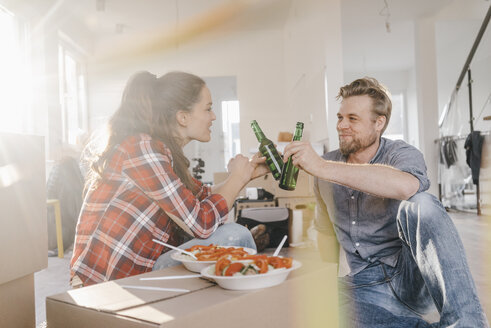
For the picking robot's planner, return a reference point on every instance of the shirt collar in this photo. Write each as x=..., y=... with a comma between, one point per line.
x=379, y=150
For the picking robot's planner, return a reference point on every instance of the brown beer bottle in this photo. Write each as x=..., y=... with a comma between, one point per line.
x=268, y=150
x=289, y=175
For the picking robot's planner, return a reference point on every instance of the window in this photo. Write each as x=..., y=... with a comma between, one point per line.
x=396, y=128
x=231, y=133
x=15, y=77
x=72, y=94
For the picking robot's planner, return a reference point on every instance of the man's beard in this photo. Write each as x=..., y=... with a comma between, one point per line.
x=347, y=147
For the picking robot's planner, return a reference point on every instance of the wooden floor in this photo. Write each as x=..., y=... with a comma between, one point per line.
x=474, y=230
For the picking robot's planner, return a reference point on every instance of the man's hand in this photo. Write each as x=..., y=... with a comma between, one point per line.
x=304, y=156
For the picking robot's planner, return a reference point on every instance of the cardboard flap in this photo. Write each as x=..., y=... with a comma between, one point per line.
x=230, y=308
x=111, y=296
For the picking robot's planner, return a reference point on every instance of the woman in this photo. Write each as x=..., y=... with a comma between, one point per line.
x=141, y=184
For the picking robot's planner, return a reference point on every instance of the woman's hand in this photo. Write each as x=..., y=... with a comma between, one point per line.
x=248, y=169
x=261, y=167
x=241, y=167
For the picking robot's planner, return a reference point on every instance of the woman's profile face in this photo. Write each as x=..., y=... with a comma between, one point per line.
x=200, y=118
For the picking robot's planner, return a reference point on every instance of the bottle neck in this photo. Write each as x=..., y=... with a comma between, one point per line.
x=258, y=132
x=298, y=133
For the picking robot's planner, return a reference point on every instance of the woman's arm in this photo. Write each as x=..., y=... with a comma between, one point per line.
x=148, y=166
x=241, y=171
x=235, y=180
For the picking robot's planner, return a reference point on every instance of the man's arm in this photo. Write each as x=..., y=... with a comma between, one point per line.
x=376, y=179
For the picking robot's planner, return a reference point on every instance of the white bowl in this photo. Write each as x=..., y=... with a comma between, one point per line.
x=240, y=282
x=196, y=266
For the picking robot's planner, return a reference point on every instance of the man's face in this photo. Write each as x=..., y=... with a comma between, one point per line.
x=357, y=126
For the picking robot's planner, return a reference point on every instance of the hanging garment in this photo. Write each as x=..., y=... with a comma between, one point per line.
x=448, y=153
x=473, y=149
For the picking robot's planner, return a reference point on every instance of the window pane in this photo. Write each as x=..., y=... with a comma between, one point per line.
x=72, y=94
x=230, y=124
x=15, y=81
x=395, y=129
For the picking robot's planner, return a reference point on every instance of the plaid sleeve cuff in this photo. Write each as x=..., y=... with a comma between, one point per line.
x=220, y=205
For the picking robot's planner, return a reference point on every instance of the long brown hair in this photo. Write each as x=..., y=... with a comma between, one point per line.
x=149, y=105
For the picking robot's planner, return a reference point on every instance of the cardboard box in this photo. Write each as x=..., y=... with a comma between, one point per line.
x=304, y=188
x=23, y=230
x=304, y=204
x=308, y=298
x=17, y=306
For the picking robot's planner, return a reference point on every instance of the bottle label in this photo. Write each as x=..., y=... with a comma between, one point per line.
x=273, y=159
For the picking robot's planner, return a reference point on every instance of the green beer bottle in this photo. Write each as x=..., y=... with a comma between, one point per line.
x=267, y=148
x=289, y=175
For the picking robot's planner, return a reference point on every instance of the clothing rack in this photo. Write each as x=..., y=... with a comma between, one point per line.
x=445, y=138
x=467, y=71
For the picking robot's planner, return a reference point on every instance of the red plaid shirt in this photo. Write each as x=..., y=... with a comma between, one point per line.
x=128, y=208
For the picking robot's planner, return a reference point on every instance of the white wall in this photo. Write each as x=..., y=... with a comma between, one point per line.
x=313, y=52
x=427, y=96
x=280, y=72
x=255, y=58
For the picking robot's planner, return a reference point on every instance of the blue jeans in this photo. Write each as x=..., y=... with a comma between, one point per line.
x=431, y=272
x=229, y=234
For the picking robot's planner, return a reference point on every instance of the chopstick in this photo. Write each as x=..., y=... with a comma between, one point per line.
x=278, y=249
x=172, y=277
x=162, y=289
x=175, y=248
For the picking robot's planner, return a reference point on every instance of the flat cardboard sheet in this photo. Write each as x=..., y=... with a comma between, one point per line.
x=111, y=297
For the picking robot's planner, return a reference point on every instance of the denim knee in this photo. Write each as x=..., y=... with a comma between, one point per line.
x=422, y=209
x=235, y=234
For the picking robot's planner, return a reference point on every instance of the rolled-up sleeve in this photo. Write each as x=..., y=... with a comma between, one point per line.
x=409, y=159
x=149, y=167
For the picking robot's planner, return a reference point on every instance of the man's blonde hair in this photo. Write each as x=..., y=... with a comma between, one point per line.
x=382, y=105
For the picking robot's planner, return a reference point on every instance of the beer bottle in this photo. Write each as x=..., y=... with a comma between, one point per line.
x=289, y=175
x=267, y=149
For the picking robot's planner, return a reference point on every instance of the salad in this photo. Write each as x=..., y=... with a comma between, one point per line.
x=251, y=265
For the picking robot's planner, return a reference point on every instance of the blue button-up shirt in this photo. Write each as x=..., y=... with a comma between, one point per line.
x=365, y=224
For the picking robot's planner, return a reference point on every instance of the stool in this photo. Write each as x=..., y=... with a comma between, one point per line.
x=59, y=236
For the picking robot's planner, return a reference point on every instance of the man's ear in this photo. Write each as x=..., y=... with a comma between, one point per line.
x=380, y=122
x=182, y=118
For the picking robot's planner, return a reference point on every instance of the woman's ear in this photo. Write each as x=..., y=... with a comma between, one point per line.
x=182, y=118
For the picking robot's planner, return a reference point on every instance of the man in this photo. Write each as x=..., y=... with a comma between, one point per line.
x=402, y=248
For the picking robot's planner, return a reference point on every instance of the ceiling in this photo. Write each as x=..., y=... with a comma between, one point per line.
x=377, y=34
x=371, y=45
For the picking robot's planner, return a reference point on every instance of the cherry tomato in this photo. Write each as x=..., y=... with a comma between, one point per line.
x=233, y=268
x=262, y=264
x=221, y=264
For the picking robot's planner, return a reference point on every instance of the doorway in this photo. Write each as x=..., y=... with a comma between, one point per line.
x=223, y=91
